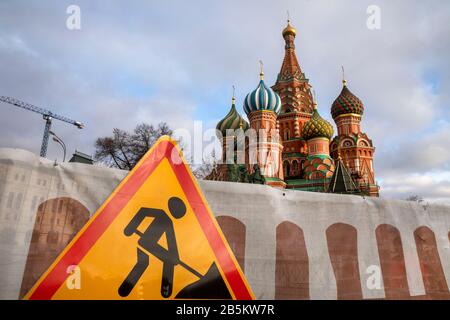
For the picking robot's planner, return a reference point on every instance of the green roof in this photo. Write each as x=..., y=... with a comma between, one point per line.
x=305, y=181
x=342, y=181
x=272, y=179
x=294, y=154
x=320, y=156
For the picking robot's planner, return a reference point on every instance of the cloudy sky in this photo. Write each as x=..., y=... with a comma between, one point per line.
x=175, y=61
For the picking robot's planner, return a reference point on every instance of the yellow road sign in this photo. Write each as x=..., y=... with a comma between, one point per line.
x=153, y=238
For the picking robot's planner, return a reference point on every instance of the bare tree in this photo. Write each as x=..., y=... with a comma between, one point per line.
x=208, y=165
x=124, y=149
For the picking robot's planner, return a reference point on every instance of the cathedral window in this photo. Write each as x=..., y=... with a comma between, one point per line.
x=363, y=143
x=18, y=201
x=52, y=237
x=9, y=203
x=295, y=168
x=34, y=203
x=286, y=134
x=347, y=143
x=286, y=168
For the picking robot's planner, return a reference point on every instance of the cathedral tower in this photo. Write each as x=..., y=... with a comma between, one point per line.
x=297, y=107
x=319, y=166
x=228, y=131
x=355, y=146
x=264, y=148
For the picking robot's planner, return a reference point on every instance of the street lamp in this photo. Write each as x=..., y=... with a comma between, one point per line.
x=61, y=143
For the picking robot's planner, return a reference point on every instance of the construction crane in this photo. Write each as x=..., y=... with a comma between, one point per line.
x=48, y=117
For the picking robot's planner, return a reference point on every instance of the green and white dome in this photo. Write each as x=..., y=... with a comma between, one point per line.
x=262, y=98
x=232, y=121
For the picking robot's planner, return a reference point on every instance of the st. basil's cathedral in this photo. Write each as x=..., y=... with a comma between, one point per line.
x=305, y=156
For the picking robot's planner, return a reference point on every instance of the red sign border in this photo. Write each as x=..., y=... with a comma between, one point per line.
x=82, y=243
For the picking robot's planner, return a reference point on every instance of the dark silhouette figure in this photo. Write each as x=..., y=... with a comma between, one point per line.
x=162, y=224
x=211, y=285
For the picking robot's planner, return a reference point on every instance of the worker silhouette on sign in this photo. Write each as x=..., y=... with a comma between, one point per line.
x=162, y=224
x=210, y=285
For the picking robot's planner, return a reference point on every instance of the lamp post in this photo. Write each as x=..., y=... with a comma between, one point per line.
x=60, y=142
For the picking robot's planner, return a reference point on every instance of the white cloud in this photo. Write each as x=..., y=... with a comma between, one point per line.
x=424, y=185
x=145, y=61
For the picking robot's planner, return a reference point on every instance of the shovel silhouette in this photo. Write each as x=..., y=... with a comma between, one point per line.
x=181, y=263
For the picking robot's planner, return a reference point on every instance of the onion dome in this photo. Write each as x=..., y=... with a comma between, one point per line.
x=346, y=103
x=262, y=98
x=317, y=127
x=232, y=121
x=289, y=30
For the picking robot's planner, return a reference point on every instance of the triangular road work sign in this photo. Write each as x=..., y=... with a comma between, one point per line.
x=153, y=238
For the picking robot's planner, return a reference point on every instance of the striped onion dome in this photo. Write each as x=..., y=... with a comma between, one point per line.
x=317, y=127
x=346, y=103
x=262, y=98
x=233, y=121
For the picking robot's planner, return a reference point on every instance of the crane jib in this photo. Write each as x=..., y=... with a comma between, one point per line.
x=46, y=114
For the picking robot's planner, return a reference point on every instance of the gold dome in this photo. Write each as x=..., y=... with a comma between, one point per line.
x=289, y=30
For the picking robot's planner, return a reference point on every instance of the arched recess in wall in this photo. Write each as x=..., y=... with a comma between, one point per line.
x=286, y=133
x=347, y=143
x=57, y=222
x=286, y=168
x=430, y=264
x=363, y=143
x=295, y=168
x=292, y=267
x=392, y=260
x=234, y=231
x=342, y=242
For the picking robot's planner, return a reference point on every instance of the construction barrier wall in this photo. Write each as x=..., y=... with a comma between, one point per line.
x=290, y=244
